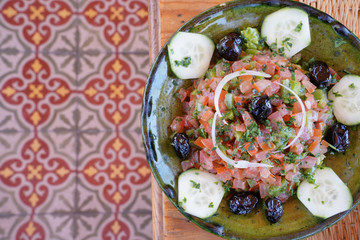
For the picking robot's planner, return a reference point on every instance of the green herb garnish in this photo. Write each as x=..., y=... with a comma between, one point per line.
x=298, y=27
x=195, y=184
x=184, y=62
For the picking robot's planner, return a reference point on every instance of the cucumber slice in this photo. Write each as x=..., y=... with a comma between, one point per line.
x=287, y=31
x=190, y=54
x=200, y=193
x=327, y=197
x=345, y=96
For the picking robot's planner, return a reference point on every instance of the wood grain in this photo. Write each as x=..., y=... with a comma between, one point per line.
x=165, y=17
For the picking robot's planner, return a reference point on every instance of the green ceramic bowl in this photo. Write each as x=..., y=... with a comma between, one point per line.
x=331, y=42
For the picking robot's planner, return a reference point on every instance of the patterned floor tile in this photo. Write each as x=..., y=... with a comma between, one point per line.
x=118, y=173
x=9, y=226
x=121, y=226
x=37, y=20
x=119, y=22
x=72, y=164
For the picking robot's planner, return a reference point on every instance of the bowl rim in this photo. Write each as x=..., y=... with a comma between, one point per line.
x=338, y=27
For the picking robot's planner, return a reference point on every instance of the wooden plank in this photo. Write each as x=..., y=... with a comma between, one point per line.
x=165, y=16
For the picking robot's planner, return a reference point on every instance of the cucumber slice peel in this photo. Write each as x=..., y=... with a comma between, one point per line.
x=287, y=31
x=345, y=96
x=190, y=54
x=200, y=193
x=327, y=197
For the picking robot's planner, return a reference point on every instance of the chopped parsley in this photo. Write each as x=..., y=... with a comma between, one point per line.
x=211, y=205
x=264, y=67
x=184, y=62
x=337, y=94
x=352, y=85
x=195, y=184
x=298, y=27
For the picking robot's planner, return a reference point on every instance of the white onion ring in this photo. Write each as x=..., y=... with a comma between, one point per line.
x=230, y=76
x=303, y=112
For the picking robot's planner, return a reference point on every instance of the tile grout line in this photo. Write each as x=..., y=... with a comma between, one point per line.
x=77, y=136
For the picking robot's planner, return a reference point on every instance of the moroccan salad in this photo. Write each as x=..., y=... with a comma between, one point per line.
x=257, y=124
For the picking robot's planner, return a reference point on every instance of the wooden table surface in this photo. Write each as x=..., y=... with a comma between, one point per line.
x=165, y=17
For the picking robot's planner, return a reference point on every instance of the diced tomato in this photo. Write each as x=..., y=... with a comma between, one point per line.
x=239, y=184
x=264, y=144
x=246, y=86
x=314, y=147
x=240, y=65
x=205, y=160
x=272, y=89
x=208, y=143
x=289, y=167
x=276, y=120
x=308, y=85
x=215, y=82
x=323, y=116
x=237, y=173
x=224, y=176
x=275, y=101
x=314, y=115
x=280, y=60
x=264, y=190
x=203, y=100
x=297, y=148
x=299, y=75
x=320, y=125
x=182, y=94
x=284, y=73
x=323, y=147
x=206, y=114
x=311, y=99
x=296, y=107
x=262, y=85
x=290, y=176
x=264, y=172
x=270, y=180
x=284, y=110
x=276, y=170
x=308, y=162
x=251, y=172
x=261, y=155
x=178, y=125
x=270, y=69
x=198, y=142
x=298, y=119
x=317, y=134
x=247, y=118
x=240, y=127
x=190, y=122
x=276, y=117
x=251, y=148
x=206, y=126
x=283, y=197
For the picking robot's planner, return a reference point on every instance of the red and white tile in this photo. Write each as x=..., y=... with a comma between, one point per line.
x=72, y=75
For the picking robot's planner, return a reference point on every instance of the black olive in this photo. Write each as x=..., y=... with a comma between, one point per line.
x=229, y=47
x=243, y=202
x=274, y=209
x=181, y=145
x=319, y=74
x=260, y=107
x=338, y=136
